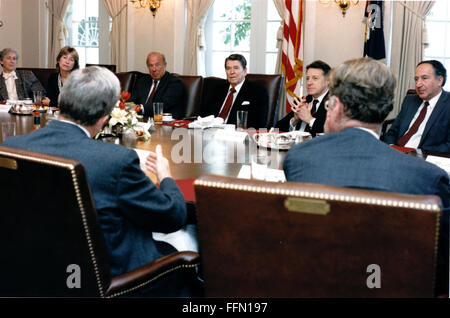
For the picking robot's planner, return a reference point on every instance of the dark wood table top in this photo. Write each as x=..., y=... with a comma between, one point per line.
x=191, y=152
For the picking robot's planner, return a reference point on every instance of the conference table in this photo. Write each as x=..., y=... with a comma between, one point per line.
x=191, y=152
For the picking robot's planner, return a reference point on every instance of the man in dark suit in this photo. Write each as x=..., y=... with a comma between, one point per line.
x=16, y=84
x=159, y=86
x=309, y=115
x=129, y=206
x=237, y=93
x=424, y=120
x=350, y=154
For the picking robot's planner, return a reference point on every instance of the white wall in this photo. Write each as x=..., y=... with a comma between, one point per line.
x=11, y=33
x=147, y=33
x=328, y=35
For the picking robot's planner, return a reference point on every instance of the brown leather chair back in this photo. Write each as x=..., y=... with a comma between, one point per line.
x=265, y=239
x=192, y=93
x=110, y=67
x=272, y=83
x=127, y=81
x=50, y=238
x=42, y=74
x=48, y=224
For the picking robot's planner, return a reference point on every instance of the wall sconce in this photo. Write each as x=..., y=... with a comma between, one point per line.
x=343, y=4
x=153, y=5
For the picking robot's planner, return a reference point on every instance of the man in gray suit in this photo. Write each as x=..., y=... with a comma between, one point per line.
x=129, y=205
x=350, y=154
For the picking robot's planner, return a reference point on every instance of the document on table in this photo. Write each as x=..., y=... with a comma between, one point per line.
x=274, y=175
x=142, y=156
x=441, y=162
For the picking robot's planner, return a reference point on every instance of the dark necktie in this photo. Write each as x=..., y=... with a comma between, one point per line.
x=404, y=140
x=150, y=98
x=226, y=108
x=314, y=107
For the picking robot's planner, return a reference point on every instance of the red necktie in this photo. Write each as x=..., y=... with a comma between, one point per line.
x=314, y=107
x=228, y=103
x=403, y=140
x=150, y=98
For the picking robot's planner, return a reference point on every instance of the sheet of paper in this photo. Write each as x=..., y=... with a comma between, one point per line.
x=142, y=156
x=441, y=162
x=273, y=175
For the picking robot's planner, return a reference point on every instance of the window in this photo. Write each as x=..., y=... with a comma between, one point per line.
x=88, y=26
x=236, y=26
x=438, y=31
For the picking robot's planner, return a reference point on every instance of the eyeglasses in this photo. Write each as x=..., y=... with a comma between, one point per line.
x=330, y=102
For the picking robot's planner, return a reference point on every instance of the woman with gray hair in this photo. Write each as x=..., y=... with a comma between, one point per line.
x=16, y=84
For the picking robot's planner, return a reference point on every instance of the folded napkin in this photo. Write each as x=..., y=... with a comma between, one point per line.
x=207, y=122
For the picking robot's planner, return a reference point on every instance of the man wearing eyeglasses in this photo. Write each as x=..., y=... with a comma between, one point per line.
x=350, y=153
x=159, y=86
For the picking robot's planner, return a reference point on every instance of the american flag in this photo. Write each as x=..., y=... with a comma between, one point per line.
x=292, y=54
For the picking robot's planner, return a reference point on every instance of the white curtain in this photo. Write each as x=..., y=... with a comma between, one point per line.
x=117, y=9
x=57, y=31
x=281, y=7
x=407, y=45
x=196, y=12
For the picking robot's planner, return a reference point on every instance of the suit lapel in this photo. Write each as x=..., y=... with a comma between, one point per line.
x=19, y=86
x=162, y=84
x=3, y=90
x=438, y=109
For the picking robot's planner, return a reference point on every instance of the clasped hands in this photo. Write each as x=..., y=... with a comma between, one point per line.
x=301, y=111
x=157, y=164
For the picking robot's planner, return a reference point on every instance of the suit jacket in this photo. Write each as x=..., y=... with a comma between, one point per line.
x=26, y=84
x=129, y=206
x=354, y=158
x=53, y=89
x=320, y=116
x=169, y=91
x=436, y=135
x=257, y=106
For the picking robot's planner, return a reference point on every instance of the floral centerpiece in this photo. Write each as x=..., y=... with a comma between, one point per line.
x=125, y=116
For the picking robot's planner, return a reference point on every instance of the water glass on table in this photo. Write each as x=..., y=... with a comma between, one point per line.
x=37, y=98
x=241, y=122
x=158, y=113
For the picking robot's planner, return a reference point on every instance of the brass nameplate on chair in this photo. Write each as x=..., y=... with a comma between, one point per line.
x=319, y=207
x=8, y=163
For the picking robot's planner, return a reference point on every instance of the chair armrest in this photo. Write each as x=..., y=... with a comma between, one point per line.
x=144, y=275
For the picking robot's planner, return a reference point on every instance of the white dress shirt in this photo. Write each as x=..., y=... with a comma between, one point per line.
x=237, y=88
x=414, y=141
x=149, y=92
x=10, y=82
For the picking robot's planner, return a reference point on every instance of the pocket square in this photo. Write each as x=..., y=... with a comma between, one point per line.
x=246, y=102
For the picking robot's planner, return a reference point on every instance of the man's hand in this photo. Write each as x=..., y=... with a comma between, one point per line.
x=158, y=165
x=301, y=111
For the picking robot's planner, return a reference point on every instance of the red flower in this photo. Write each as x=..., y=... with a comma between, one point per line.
x=125, y=96
x=138, y=108
x=140, y=133
x=122, y=105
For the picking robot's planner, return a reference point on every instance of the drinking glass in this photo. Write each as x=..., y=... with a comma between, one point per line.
x=37, y=98
x=158, y=113
x=241, y=123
